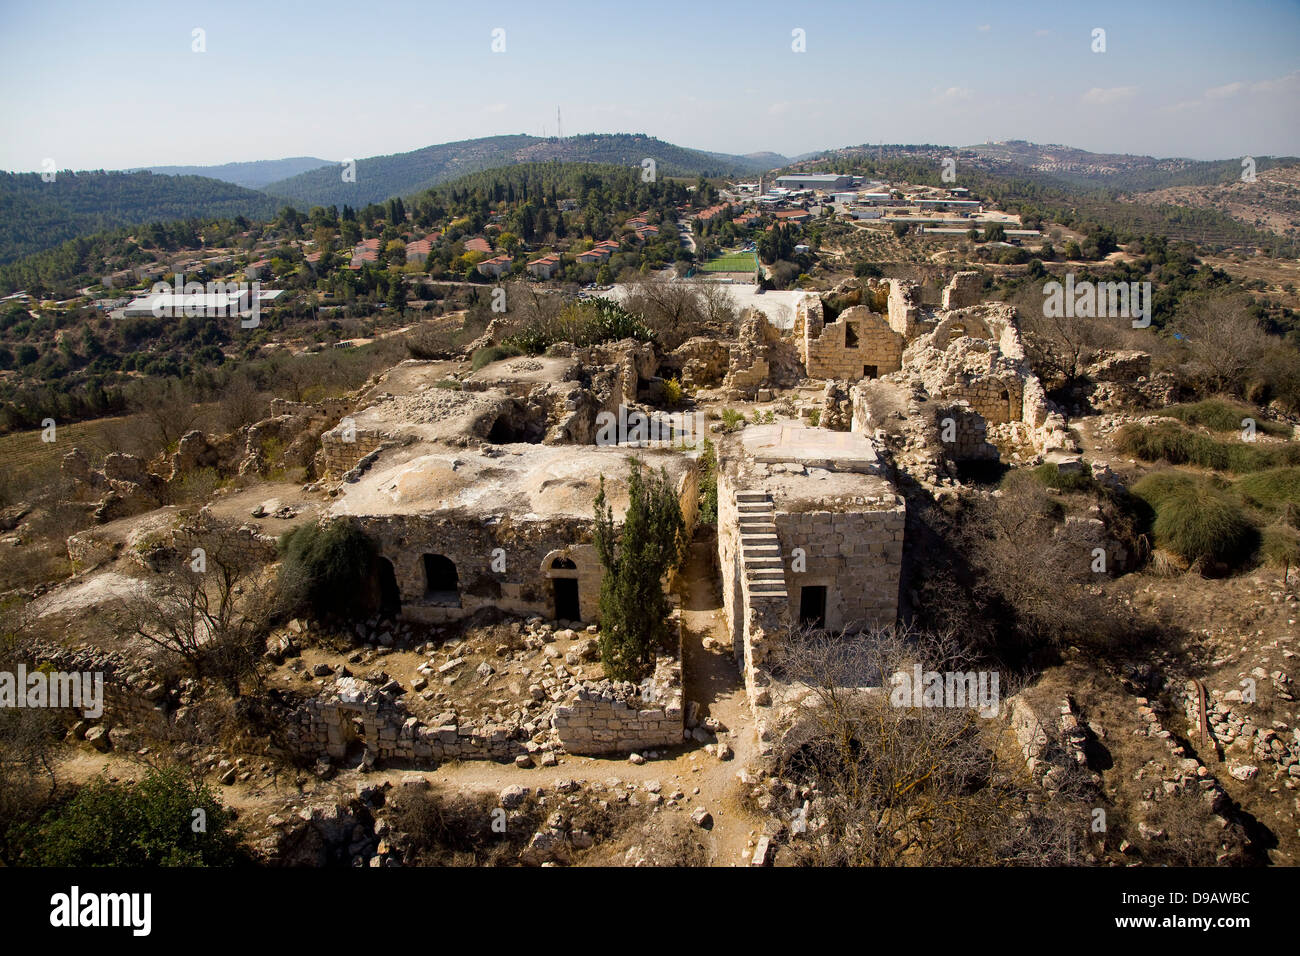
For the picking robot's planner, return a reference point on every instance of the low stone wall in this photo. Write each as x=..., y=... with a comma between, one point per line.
x=612, y=716
x=325, y=727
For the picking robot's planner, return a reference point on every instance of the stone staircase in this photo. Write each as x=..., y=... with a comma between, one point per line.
x=760, y=550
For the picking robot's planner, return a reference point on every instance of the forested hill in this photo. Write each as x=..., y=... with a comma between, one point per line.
x=252, y=175
x=403, y=174
x=36, y=215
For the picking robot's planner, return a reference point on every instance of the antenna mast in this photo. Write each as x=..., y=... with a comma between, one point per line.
x=559, y=129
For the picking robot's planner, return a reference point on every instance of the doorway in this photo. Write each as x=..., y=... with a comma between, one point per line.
x=812, y=606
x=566, y=599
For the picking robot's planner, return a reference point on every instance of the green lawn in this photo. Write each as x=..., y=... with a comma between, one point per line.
x=731, y=262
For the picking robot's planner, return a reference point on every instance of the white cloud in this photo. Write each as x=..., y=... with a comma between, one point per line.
x=984, y=28
x=1042, y=33
x=1103, y=97
x=1223, y=92
x=1282, y=84
x=953, y=94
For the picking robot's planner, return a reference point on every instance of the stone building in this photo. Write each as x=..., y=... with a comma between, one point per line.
x=506, y=526
x=810, y=533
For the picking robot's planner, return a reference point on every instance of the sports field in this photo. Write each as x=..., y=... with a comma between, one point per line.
x=731, y=262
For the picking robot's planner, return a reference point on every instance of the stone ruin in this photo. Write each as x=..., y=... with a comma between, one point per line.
x=810, y=532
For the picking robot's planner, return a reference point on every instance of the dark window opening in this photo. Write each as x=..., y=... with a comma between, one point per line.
x=563, y=564
x=441, y=583
x=869, y=371
x=566, y=599
x=812, y=605
x=850, y=336
x=390, y=596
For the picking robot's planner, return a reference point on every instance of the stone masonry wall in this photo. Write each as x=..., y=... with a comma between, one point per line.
x=856, y=555
x=613, y=717
x=827, y=355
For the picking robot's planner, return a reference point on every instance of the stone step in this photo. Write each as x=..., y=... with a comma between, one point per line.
x=766, y=575
x=756, y=508
x=764, y=561
x=752, y=496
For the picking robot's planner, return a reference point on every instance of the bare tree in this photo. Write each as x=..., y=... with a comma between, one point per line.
x=208, y=609
x=889, y=784
x=1224, y=342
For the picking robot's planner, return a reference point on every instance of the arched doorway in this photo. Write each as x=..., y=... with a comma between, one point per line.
x=441, y=583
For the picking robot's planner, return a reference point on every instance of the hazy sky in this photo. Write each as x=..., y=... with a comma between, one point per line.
x=113, y=85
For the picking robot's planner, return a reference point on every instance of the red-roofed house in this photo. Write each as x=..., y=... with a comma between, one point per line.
x=793, y=215
x=546, y=266
x=496, y=267
x=477, y=244
x=592, y=256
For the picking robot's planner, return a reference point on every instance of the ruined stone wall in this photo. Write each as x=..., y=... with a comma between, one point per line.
x=962, y=433
x=963, y=290
x=602, y=717
x=827, y=353
x=355, y=712
x=340, y=456
x=904, y=307
x=857, y=556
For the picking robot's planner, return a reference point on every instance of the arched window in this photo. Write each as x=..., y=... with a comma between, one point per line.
x=441, y=583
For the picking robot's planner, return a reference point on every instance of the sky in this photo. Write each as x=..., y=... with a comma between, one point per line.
x=107, y=85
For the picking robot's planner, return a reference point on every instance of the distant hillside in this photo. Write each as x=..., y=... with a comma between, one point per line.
x=1118, y=171
x=36, y=215
x=1080, y=198
x=254, y=175
x=1272, y=202
x=403, y=174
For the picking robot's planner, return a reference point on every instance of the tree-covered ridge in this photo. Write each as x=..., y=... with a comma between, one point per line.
x=37, y=215
x=403, y=174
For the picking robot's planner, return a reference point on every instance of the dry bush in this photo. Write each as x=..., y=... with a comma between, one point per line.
x=676, y=311
x=1224, y=343
x=1027, y=573
x=901, y=785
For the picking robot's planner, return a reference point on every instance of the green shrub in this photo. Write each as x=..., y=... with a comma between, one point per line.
x=1177, y=445
x=1280, y=546
x=1271, y=490
x=493, y=353
x=1223, y=416
x=584, y=323
x=1156, y=487
x=1198, y=521
x=732, y=419
x=448, y=383
x=146, y=824
x=1053, y=477
x=673, y=392
x=815, y=417
x=708, y=484
x=327, y=569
